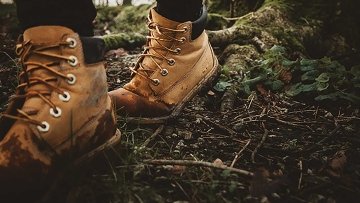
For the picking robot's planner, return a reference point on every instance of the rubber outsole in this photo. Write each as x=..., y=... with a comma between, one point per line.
x=114, y=140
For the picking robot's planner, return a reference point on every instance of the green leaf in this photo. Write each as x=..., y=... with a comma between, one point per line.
x=309, y=76
x=332, y=96
x=278, y=49
x=308, y=62
x=321, y=86
x=287, y=62
x=300, y=88
x=277, y=85
x=222, y=86
x=323, y=77
x=339, y=95
x=247, y=89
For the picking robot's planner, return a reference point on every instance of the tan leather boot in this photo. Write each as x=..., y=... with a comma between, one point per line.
x=178, y=60
x=61, y=111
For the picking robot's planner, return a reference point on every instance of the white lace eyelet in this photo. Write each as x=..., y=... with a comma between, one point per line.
x=185, y=29
x=177, y=51
x=72, y=42
x=73, y=61
x=164, y=72
x=71, y=79
x=182, y=40
x=65, y=96
x=156, y=82
x=171, y=62
x=56, y=113
x=44, y=127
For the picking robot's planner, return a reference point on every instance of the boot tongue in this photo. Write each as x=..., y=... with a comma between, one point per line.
x=138, y=84
x=41, y=37
x=46, y=34
x=165, y=23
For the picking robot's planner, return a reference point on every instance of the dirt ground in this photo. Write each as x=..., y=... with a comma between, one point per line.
x=297, y=152
x=266, y=149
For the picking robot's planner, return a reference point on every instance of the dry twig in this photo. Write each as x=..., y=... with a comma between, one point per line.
x=237, y=156
x=198, y=163
x=266, y=133
x=156, y=133
x=301, y=174
x=219, y=126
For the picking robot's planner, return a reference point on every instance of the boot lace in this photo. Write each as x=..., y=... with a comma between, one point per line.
x=26, y=49
x=159, y=34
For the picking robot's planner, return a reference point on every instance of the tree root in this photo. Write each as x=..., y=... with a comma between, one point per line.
x=129, y=41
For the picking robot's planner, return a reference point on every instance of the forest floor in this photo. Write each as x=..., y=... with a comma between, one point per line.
x=266, y=149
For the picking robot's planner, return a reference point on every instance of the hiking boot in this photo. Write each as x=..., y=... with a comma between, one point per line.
x=61, y=112
x=176, y=63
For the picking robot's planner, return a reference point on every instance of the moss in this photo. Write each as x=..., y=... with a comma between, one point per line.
x=123, y=19
x=288, y=39
x=132, y=18
x=125, y=40
x=216, y=22
x=277, y=3
x=243, y=20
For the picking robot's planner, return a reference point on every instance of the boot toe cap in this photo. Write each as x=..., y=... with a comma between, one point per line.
x=21, y=169
x=130, y=104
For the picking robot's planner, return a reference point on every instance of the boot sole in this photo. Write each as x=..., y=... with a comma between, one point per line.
x=114, y=140
x=80, y=162
x=208, y=79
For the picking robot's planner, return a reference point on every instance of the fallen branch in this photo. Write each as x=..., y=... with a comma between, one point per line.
x=124, y=40
x=235, y=34
x=198, y=163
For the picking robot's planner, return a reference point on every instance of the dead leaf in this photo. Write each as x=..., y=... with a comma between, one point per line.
x=337, y=164
x=261, y=185
x=285, y=76
x=177, y=170
x=218, y=162
x=258, y=185
x=260, y=87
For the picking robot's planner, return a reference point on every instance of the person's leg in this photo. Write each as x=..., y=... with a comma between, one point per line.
x=178, y=61
x=75, y=14
x=61, y=110
x=180, y=10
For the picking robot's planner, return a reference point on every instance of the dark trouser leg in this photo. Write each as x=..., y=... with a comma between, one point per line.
x=75, y=14
x=180, y=10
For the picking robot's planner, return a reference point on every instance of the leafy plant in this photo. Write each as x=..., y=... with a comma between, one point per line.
x=319, y=79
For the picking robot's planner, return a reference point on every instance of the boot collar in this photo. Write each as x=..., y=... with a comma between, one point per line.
x=198, y=26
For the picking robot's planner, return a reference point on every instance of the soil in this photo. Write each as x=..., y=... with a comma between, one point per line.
x=298, y=152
